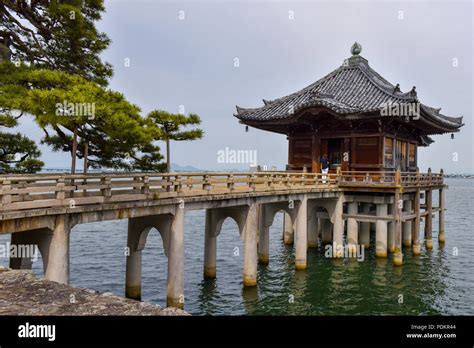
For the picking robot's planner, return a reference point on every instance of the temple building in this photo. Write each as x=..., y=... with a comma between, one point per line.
x=356, y=117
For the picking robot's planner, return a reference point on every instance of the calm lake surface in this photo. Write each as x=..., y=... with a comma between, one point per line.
x=440, y=281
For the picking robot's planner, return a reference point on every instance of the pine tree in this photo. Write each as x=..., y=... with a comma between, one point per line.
x=170, y=126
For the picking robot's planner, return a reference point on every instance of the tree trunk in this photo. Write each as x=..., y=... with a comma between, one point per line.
x=74, y=152
x=168, y=160
x=86, y=153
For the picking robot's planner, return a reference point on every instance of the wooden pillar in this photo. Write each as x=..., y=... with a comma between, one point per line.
x=441, y=236
x=416, y=225
x=406, y=225
x=391, y=229
x=429, y=220
x=397, y=256
x=316, y=154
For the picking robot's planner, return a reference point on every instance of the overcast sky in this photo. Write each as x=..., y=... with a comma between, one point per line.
x=282, y=47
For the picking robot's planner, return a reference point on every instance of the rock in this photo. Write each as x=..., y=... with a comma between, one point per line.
x=24, y=294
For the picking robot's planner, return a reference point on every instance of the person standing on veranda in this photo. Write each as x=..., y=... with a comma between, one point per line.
x=324, y=166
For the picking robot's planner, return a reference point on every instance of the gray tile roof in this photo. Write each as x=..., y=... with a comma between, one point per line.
x=352, y=89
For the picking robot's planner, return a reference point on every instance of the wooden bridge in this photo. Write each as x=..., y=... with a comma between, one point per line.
x=42, y=209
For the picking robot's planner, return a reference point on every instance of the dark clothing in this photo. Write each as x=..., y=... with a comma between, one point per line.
x=324, y=163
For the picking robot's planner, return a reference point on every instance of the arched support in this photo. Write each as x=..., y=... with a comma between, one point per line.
x=313, y=229
x=171, y=228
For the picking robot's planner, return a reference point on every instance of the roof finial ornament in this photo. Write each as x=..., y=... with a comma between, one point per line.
x=356, y=49
x=397, y=88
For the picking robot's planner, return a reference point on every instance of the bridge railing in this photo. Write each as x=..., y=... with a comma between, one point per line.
x=23, y=192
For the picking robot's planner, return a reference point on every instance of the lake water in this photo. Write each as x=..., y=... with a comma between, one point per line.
x=440, y=281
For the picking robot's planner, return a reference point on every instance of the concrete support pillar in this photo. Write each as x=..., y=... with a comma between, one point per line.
x=133, y=270
x=210, y=247
x=326, y=231
x=398, y=256
x=406, y=226
x=263, y=237
x=133, y=274
x=56, y=251
x=352, y=228
x=288, y=235
x=391, y=230
x=338, y=229
x=250, y=246
x=381, y=231
x=20, y=239
x=364, y=236
x=175, y=285
x=429, y=220
x=441, y=235
x=416, y=225
x=313, y=230
x=301, y=244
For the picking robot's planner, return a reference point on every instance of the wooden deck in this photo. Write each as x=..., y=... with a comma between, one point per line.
x=39, y=191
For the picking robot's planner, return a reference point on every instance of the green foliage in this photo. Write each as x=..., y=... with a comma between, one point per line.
x=171, y=124
x=56, y=35
x=117, y=135
x=18, y=154
x=170, y=128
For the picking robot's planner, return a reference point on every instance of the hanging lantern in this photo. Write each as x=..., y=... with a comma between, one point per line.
x=452, y=135
x=246, y=128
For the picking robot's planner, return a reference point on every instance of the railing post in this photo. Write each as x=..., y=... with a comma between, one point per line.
x=146, y=185
x=60, y=192
x=6, y=198
x=339, y=176
x=288, y=182
x=106, y=191
x=270, y=181
x=429, y=176
x=136, y=184
x=398, y=177
x=251, y=178
x=177, y=184
x=168, y=182
x=230, y=182
x=441, y=176
x=206, y=186
x=417, y=176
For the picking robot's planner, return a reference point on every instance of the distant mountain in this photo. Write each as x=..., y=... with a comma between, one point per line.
x=179, y=168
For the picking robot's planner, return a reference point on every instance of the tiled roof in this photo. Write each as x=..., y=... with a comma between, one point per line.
x=353, y=88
